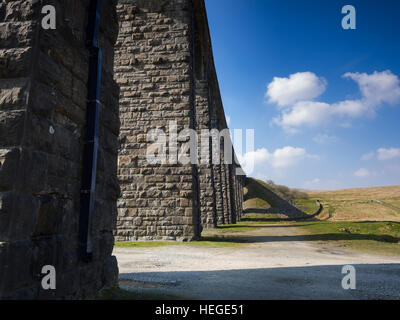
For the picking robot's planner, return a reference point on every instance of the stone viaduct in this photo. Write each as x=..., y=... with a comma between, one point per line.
x=76, y=105
x=165, y=69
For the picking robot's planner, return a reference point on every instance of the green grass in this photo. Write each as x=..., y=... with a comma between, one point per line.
x=212, y=240
x=367, y=236
x=222, y=236
x=257, y=203
x=308, y=206
x=373, y=237
x=256, y=196
x=121, y=294
x=146, y=244
x=239, y=227
x=262, y=218
x=331, y=212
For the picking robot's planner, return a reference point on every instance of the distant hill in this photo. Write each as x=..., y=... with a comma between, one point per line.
x=256, y=197
x=265, y=197
x=361, y=204
x=285, y=192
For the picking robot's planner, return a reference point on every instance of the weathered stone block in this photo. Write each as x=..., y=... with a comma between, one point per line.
x=9, y=159
x=18, y=215
x=43, y=101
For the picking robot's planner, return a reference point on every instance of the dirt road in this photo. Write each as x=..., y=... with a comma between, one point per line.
x=278, y=264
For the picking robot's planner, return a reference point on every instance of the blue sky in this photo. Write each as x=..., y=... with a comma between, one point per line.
x=324, y=102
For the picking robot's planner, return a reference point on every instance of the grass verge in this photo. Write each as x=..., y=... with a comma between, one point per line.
x=307, y=206
x=225, y=236
x=371, y=237
x=256, y=196
x=365, y=236
x=210, y=240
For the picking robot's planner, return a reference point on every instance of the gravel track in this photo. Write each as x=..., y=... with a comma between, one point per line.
x=273, y=266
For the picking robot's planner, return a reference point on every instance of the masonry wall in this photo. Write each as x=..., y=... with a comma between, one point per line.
x=154, y=71
x=216, y=123
x=218, y=197
x=240, y=184
x=222, y=180
x=166, y=73
x=43, y=81
x=203, y=65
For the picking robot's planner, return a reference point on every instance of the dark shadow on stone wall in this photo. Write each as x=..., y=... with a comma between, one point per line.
x=43, y=101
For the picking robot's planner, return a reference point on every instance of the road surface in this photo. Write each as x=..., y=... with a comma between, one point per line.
x=278, y=264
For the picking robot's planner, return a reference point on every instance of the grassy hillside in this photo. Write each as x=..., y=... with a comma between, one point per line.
x=284, y=191
x=255, y=196
x=363, y=204
x=364, y=219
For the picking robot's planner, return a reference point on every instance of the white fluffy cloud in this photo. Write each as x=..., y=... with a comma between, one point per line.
x=362, y=173
x=368, y=156
x=352, y=108
x=294, y=97
x=300, y=86
x=325, y=139
x=378, y=87
x=280, y=158
x=304, y=113
x=287, y=157
x=388, y=154
x=382, y=154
